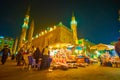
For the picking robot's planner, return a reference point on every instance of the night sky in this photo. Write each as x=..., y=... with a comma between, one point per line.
x=97, y=19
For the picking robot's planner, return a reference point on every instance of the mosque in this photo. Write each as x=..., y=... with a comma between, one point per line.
x=54, y=37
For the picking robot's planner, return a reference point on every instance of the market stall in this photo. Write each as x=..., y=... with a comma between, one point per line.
x=69, y=57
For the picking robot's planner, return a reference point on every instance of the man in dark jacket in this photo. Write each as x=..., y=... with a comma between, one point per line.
x=37, y=55
x=5, y=51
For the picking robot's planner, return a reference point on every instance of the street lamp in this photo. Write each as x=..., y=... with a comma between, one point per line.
x=119, y=17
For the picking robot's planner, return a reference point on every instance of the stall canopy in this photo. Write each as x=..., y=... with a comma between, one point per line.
x=102, y=47
x=76, y=47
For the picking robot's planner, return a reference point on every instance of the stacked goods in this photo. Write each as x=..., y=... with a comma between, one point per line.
x=81, y=62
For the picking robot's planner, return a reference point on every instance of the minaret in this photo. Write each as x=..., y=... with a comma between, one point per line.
x=74, y=28
x=119, y=17
x=30, y=32
x=15, y=46
x=24, y=29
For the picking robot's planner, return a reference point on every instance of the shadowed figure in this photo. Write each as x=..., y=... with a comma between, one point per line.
x=37, y=55
x=117, y=47
x=45, y=58
x=5, y=51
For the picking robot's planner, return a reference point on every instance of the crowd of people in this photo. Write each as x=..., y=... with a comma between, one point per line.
x=28, y=59
x=33, y=58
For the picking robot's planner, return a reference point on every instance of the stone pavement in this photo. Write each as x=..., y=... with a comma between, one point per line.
x=10, y=71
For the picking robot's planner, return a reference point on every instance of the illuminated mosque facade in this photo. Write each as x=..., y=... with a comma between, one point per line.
x=54, y=37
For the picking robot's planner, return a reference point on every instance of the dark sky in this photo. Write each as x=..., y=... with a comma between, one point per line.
x=97, y=19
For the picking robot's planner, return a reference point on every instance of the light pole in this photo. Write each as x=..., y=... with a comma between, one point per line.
x=119, y=18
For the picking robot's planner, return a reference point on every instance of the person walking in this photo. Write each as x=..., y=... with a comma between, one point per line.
x=117, y=47
x=5, y=52
x=27, y=60
x=19, y=57
x=45, y=58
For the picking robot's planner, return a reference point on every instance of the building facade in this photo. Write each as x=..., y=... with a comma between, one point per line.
x=56, y=37
x=6, y=41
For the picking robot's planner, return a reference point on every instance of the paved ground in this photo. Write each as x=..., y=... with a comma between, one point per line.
x=10, y=71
